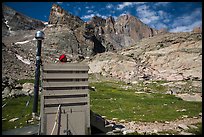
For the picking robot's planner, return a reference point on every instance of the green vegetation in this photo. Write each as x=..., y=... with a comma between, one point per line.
x=153, y=86
x=16, y=108
x=22, y=81
x=196, y=131
x=114, y=102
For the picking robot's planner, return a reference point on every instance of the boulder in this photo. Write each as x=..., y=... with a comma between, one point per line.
x=183, y=126
x=6, y=92
x=28, y=88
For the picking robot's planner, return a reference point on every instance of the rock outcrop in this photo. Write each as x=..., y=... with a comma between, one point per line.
x=60, y=16
x=197, y=30
x=120, y=33
x=99, y=35
x=13, y=21
x=153, y=55
x=171, y=57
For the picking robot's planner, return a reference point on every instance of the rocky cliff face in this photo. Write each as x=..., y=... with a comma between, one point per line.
x=60, y=16
x=98, y=35
x=120, y=33
x=129, y=50
x=170, y=57
x=13, y=21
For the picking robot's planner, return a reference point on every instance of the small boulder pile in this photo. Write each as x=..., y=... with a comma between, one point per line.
x=11, y=88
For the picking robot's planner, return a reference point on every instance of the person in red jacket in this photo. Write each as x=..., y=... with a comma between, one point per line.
x=63, y=58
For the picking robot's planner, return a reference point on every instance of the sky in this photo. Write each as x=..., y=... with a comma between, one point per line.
x=175, y=16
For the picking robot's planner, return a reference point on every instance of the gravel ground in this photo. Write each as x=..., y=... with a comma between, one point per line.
x=155, y=127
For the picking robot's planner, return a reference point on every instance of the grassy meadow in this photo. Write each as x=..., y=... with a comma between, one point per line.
x=112, y=100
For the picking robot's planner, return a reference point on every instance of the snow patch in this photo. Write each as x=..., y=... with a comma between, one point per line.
x=50, y=25
x=45, y=23
x=26, y=61
x=6, y=22
x=23, y=42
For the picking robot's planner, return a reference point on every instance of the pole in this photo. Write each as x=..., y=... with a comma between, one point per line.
x=39, y=36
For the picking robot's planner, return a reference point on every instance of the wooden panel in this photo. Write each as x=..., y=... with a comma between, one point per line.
x=65, y=67
x=64, y=92
x=65, y=109
x=65, y=84
x=65, y=100
x=67, y=104
x=65, y=76
x=49, y=124
x=76, y=123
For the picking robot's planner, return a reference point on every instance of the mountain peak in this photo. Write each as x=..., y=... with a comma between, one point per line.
x=59, y=16
x=14, y=21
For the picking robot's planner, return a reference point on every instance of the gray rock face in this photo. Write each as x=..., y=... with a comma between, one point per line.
x=170, y=57
x=14, y=21
x=60, y=16
x=103, y=35
x=125, y=31
x=12, y=66
x=130, y=50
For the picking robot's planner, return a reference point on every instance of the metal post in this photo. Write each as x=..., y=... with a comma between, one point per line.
x=39, y=36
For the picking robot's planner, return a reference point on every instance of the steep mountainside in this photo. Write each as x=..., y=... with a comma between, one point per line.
x=171, y=57
x=96, y=36
x=124, y=48
x=13, y=21
x=60, y=16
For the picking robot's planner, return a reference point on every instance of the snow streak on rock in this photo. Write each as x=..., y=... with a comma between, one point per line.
x=26, y=61
x=6, y=22
x=23, y=42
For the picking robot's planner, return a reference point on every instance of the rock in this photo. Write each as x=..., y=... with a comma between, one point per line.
x=103, y=117
x=184, y=116
x=182, y=110
x=117, y=130
x=110, y=133
x=28, y=88
x=200, y=114
x=185, y=133
x=92, y=88
x=166, y=122
x=122, y=121
x=134, y=82
x=156, y=122
x=19, y=21
x=4, y=119
x=17, y=92
x=6, y=92
x=13, y=119
x=31, y=120
x=197, y=30
x=18, y=86
x=192, y=126
x=183, y=126
x=128, y=132
x=114, y=119
x=154, y=131
x=59, y=16
x=176, y=56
